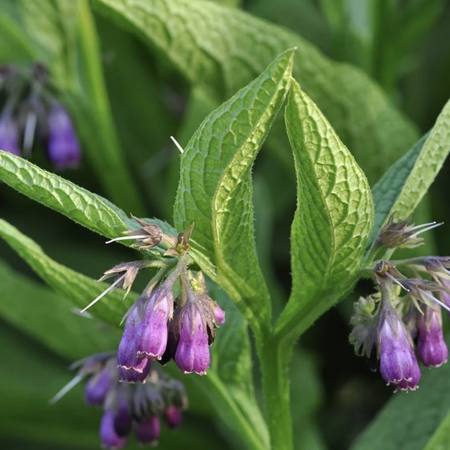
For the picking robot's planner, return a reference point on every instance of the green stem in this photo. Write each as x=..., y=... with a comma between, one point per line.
x=275, y=358
x=102, y=143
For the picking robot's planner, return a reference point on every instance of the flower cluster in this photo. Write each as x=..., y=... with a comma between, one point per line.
x=387, y=324
x=30, y=112
x=161, y=325
x=128, y=407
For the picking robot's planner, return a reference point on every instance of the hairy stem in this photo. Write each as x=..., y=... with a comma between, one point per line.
x=275, y=359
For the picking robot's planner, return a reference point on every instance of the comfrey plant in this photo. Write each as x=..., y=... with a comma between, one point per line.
x=31, y=113
x=342, y=230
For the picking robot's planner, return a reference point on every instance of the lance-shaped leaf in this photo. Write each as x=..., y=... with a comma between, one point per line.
x=403, y=186
x=222, y=49
x=333, y=218
x=59, y=194
x=215, y=191
x=78, y=288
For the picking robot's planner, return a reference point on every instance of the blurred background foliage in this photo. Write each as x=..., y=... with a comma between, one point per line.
x=127, y=99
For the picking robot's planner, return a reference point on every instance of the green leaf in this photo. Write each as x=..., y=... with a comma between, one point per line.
x=222, y=49
x=59, y=194
x=50, y=319
x=62, y=36
x=403, y=186
x=215, y=190
x=78, y=288
x=333, y=218
x=414, y=421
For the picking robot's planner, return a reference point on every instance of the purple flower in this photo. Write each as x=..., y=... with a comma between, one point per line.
x=108, y=434
x=127, y=355
x=192, y=353
x=152, y=334
x=9, y=135
x=132, y=376
x=431, y=346
x=63, y=148
x=100, y=384
x=148, y=430
x=398, y=364
x=173, y=417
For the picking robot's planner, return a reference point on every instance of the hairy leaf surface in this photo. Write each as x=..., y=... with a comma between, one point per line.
x=333, y=218
x=215, y=191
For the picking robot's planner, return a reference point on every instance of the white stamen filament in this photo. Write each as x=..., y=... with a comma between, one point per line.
x=30, y=127
x=432, y=297
x=124, y=238
x=113, y=286
x=428, y=227
x=396, y=281
x=71, y=384
x=179, y=147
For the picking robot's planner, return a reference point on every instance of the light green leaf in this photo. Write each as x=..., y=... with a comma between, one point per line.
x=215, y=191
x=49, y=318
x=403, y=186
x=222, y=49
x=59, y=194
x=414, y=421
x=78, y=288
x=333, y=218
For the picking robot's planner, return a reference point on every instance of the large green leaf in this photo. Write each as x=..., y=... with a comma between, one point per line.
x=62, y=36
x=415, y=421
x=403, y=186
x=222, y=49
x=49, y=318
x=63, y=196
x=333, y=218
x=215, y=189
x=78, y=288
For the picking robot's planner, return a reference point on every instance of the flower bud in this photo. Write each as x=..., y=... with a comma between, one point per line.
x=219, y=314
x=173, y=417
x=431, y=346
x=148, y=430
x=100, y=384
x=108, y=434
x=63, y=148
x=9, y=135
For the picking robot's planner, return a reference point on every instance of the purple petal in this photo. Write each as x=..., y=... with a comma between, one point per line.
x=431, y=346
x=153, y=333
x=63, y=148
x=192, y=354
x=148, y=430
x=108, y=435
x=173, y=417
x=9, y=135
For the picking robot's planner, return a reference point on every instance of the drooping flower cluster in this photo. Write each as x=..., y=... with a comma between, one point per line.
x=387, y=324
x=128, y=407
x=31, y=113
x=160, y=325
